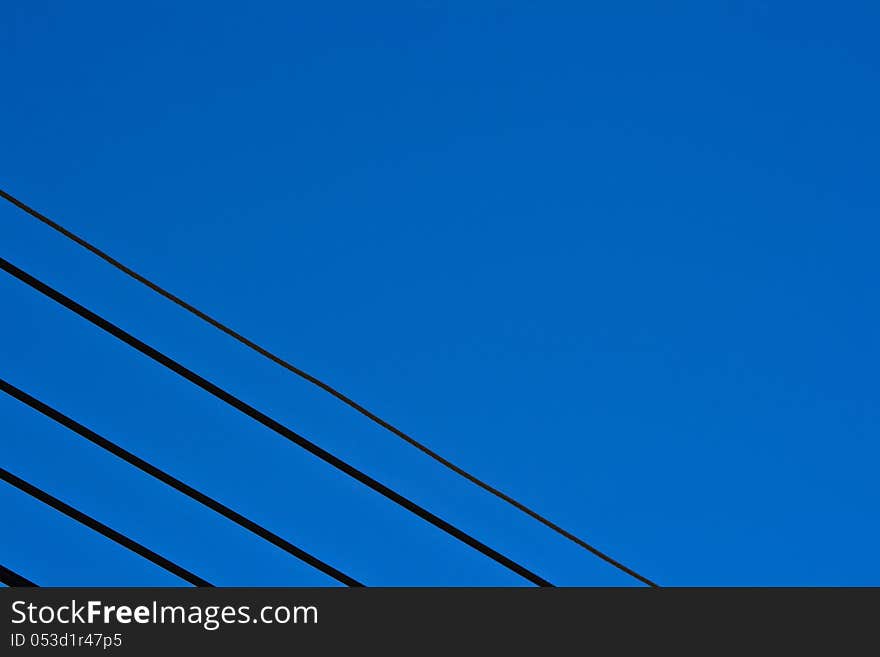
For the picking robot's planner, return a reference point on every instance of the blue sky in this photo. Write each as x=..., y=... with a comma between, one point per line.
x=620, y=262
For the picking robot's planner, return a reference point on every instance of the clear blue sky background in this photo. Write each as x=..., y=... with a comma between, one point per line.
x=621, y=262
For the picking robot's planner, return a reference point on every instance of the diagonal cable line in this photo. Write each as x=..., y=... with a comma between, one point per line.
x=271, y=423
x=324, y=386
x=12, y=578
x=101, y=528
x=175, y=483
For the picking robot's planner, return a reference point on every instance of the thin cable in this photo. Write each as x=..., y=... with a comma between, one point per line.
x=324, y=386
x=12, y=578
x=101, y=528
x=270, y=423
x=175, y=483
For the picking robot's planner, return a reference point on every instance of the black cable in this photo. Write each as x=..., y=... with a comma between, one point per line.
x=101, y=528
x=12, y=578
x=270, y=423
x=175, y=483
x=324, y=386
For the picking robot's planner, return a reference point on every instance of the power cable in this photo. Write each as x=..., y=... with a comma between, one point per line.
x=101, y=528
x=12, y=578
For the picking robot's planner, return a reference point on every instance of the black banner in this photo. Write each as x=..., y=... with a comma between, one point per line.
x=419, y=621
